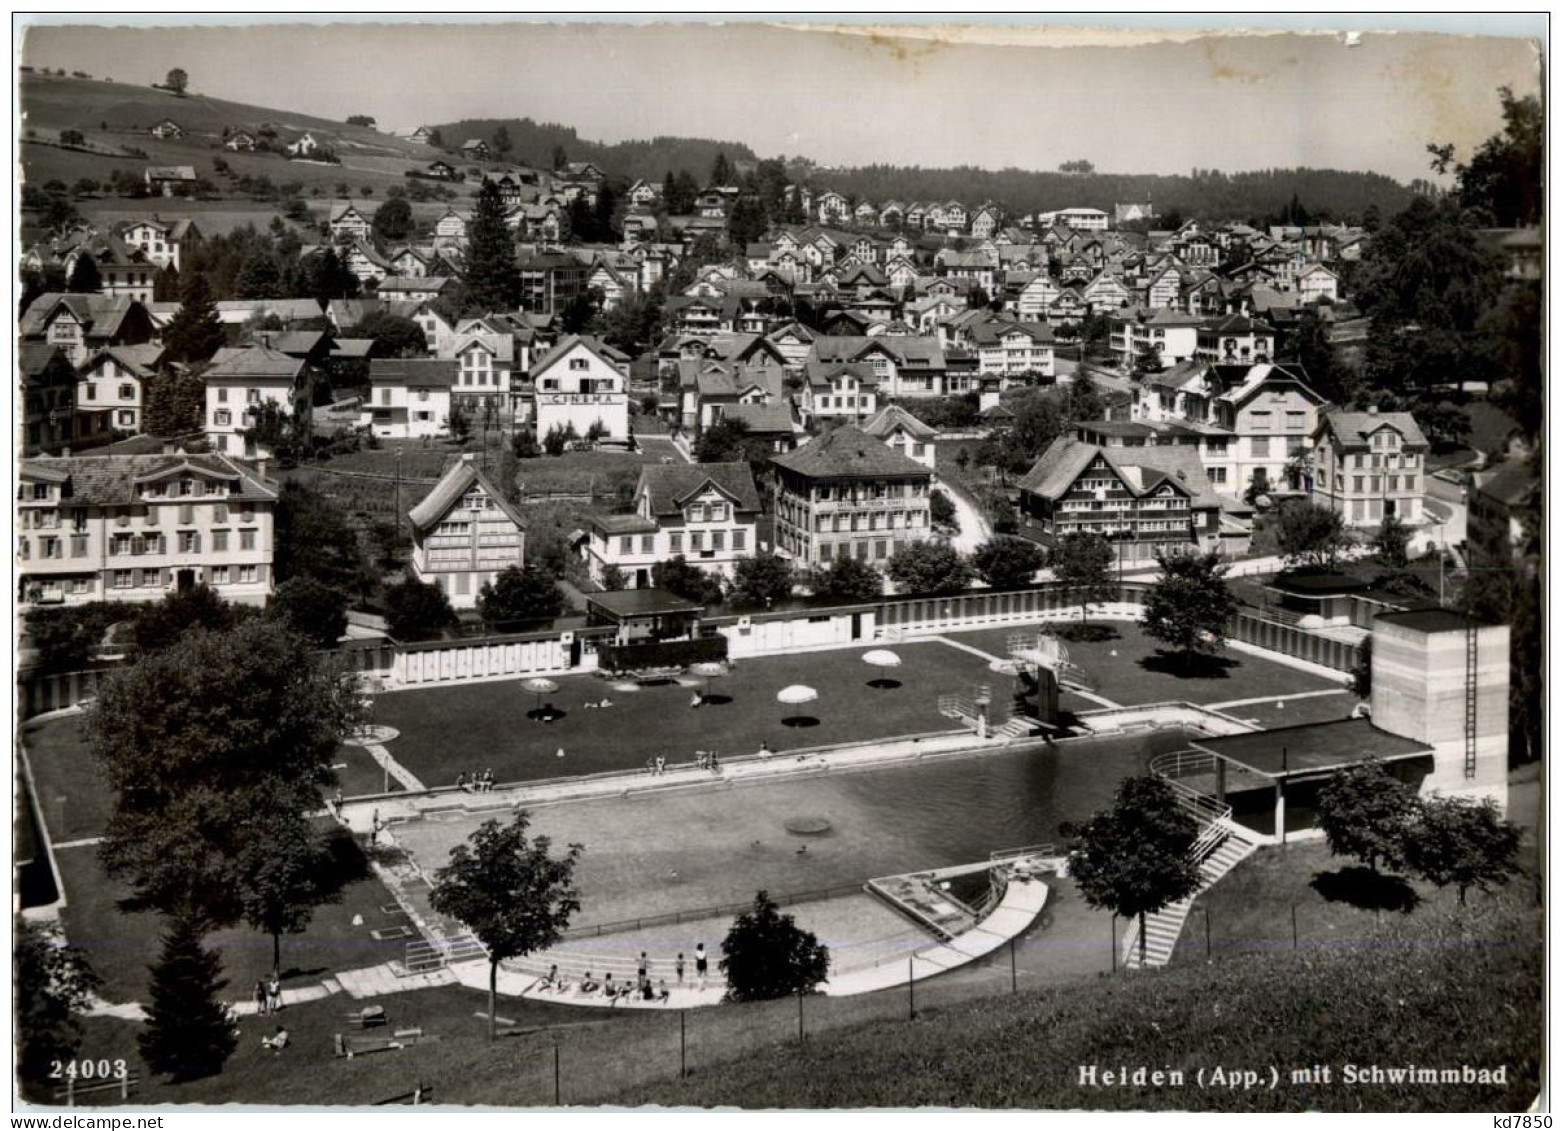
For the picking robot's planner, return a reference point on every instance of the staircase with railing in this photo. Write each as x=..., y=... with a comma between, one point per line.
x=965, y=710
x=1219, y=846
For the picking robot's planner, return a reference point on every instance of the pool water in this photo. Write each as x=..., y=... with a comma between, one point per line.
x=685, y=850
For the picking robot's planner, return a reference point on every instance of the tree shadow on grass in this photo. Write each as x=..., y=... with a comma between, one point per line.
x=1366, y=889
x=1088, y=633
x=1198, y=666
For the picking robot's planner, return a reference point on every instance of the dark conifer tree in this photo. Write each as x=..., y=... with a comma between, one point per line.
x=188, y=1032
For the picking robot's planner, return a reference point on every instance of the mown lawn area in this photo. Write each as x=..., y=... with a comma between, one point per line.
x=121, y=943
x=1129, y=668
x=1339, y=904
x=1433, y=988
x=76, y=803
x=462, y=1066
x=470, y=727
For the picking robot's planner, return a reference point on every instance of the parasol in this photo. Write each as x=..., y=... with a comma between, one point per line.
x=708, y=670
x=794, y=696
x=882, y=658
x=539, y=687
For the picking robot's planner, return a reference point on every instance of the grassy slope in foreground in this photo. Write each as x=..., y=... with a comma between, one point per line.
x=1438, y=989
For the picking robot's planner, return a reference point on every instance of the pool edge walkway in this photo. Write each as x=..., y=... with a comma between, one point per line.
x=1016, y=911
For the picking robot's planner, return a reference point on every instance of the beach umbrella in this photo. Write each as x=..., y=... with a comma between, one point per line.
x=708, y=670
x=540, y=687
x=882, y=658
x=794, y=696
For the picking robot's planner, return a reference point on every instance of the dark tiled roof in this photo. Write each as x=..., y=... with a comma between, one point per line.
x=421, y=372
x=670, y=483
x=253, y=361
x=455, y=482
x=761, y=418
x=849, y=452
x=890, y=417
x=1354, y=428
x=111, y=480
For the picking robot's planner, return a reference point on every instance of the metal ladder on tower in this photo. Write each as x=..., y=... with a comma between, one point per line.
x=1471, y=658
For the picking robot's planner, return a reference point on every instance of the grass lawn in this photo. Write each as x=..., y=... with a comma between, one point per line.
x=1339, y=904
x=462, y=1065
x=121, y=943
x=446, y=730
x=1130, y=670
x=358, y=773
x=73, y=799
x=1425, y=989
x=76, y=805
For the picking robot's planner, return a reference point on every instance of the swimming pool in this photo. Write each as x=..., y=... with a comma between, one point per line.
x=654, y=854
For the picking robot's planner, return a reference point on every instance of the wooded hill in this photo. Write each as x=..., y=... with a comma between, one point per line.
x=533, y=143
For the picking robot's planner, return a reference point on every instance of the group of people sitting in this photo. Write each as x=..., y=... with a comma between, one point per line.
x=613, y=991
x=475, y=783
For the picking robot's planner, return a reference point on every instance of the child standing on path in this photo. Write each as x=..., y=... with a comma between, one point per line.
x=678, y=967
x=701, y=964
x=273, y=994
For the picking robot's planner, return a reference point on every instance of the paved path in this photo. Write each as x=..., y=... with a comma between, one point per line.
x=82, y=843
x=974, y=527
x=988, y=656
x=1275, y=699
x=408, y=781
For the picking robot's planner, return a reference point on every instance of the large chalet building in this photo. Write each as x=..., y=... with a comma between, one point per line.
x=1142, y=500
x=137, y=527
x=464, y=534
x=848, y=494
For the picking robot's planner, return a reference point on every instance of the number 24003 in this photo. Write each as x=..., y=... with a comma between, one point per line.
x=87, y=1070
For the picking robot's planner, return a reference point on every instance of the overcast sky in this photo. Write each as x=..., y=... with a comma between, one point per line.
x=1230, y=102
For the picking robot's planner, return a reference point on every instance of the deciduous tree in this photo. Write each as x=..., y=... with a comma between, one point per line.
x=848, y=579
x=519, y=594
x=762, y=579
x=678, y=576
x=1309, y=534
x=767, y=955
x=197, y=738
x=510, y=891
x=1007, y=562
x=417, y=611
x=1082, y=566
x=929, y=569
x=1366, y=814
x=1133, y=859
x=1189, y=604
x=1463, y=842
x=311, y=608
x=52, y=984
x=285, y=875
